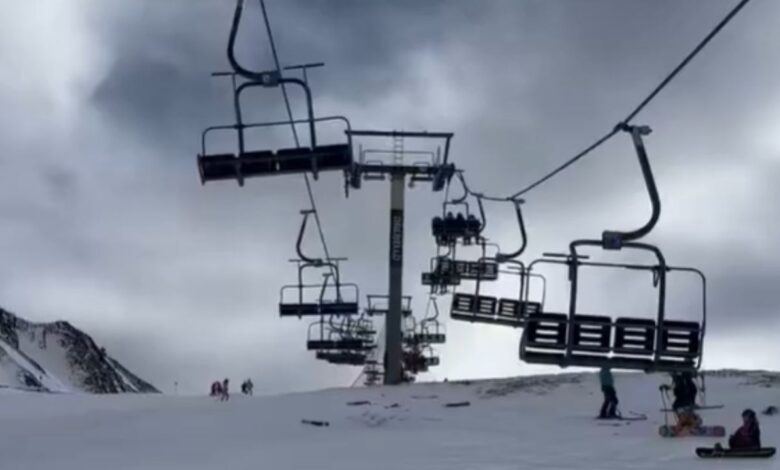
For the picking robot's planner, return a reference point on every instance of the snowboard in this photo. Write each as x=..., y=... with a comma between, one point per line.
x=710, y=453
x=701, y=431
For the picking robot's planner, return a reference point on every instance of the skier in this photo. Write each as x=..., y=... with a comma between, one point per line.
x=609, y=408
x=225, y=393
x=216, y=389
x=748, y=436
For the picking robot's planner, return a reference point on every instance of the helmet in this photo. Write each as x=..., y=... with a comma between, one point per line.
x=748, y=413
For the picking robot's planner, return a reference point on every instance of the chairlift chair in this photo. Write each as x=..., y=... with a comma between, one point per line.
x=502, y=311
x=343, y=301
x=246, y=164
x=646, y=344
x=511, y=312
x=431, y=330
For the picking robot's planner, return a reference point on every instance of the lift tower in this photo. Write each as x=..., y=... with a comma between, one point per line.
x=435, y=170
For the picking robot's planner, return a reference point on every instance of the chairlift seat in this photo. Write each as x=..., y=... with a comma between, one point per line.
x=509, y=309
x=339, y=308
x=430, y=338
x=342, y=357
x=431, y=361
x=591, y=333
x=680, y=339
x=257, y=163
x=634, y=336
x=531, y=308
x=299, y=310
x=218, y=167
x=463, y=304
x=335, y=344
x=546, y=331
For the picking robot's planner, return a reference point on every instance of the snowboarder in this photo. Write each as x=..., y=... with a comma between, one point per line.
x=225, y=393
x=748, y=436
x=609, y=408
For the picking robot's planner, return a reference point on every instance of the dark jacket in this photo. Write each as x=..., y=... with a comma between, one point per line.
x=747, y=437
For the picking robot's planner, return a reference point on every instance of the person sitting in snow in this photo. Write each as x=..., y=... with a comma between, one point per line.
x=609, y=407
x=748, y=436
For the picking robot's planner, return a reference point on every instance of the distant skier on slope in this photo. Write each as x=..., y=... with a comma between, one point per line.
x=216, y=389
x=225, y=393
x=247, y=387
x=748, y=436
x=609, y=407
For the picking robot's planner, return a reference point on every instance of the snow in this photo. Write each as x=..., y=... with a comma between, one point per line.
x=543, y=422
x=15, y=362
x=53, y=358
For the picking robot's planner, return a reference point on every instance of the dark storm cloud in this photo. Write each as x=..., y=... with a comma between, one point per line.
x=113, y=230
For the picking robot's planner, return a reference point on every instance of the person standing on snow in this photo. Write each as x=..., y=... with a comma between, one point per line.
x=225, y=393
x=685, y=391
x=609, y=408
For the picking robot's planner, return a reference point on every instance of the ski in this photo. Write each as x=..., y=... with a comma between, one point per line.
x=311, y=422
x=624, y=418
x=711, y=453
x=632, y=416
x=701, y=431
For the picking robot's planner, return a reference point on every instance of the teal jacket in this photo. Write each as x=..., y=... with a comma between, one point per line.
x=606, y=379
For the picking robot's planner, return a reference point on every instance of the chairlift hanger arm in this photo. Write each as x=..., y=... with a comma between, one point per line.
x=613, y=239
x=457, y=200
x=503, y=257
x=263, y=78
x=299, y=242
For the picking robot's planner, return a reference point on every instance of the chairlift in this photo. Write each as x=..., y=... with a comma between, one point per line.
x=316, y=299
x=349, y=358
x=511, y=312
x=647, y=344
x=322, y=336
x=461, y=224
x=503, y=311
x=245, y=164
x=431, y=330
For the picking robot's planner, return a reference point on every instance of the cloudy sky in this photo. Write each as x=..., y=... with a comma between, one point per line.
x=105, y=223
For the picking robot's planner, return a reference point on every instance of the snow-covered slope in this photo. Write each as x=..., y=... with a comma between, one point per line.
x=529, y=423
x=57, y=357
